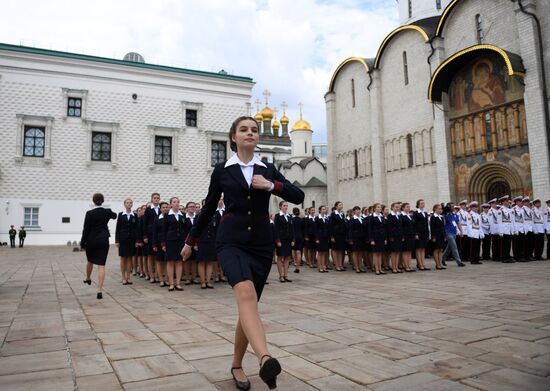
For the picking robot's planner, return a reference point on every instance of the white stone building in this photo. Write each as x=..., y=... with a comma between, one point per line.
x=72, y=125
x=453, y=105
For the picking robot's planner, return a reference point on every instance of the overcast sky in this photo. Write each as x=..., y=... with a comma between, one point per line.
x=290, y=47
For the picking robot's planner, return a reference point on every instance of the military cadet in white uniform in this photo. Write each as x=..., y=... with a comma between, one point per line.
x=475, y=233
x=465, y=222
x=528, y=228
x=495, y=223
x=547, y=228
x=518, y=241
x=486, y=228
x=507, y=229
x=538, y=229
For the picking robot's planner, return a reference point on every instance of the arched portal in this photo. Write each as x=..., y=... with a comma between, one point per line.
x=494, y=180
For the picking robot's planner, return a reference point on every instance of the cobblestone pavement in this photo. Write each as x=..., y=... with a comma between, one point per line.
x=481, y=327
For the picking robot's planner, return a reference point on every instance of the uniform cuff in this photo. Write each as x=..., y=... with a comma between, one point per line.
x=191, y=241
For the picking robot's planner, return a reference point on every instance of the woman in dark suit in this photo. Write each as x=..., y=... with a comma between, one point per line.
x=298, y=223
x=377, y=237
x=338, y=233
x=172, y=244
x=244, y=242
x=95, y=239
x=409, y=235
x=125, y=239
x=437, y=230
x=422, y=231
x=284, y=240
x=206, y=253
x=322, y=239
x=160, y=255
x=395, y=236
x=356, y=238
x=309, y=236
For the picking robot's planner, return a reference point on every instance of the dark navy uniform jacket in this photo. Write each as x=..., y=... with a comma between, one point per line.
x=158, y=230
x=376, y=229
x=284, y=230
x=95, y=226
x=246, y=217
x=337, y=225
x=126, y=229
x=148, y=221
x=172, y=229
x=299, y=227
x=394, y=228
x=357, y=231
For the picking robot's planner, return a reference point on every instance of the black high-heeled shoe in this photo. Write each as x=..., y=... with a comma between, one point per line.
x=269, y=371
x=99, y=295
x=89, y=282
x=241, y=385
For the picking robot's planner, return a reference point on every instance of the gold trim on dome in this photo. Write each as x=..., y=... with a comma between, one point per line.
x=392, y=34
x=342, y=64
x=444, y=17
x=502, y=53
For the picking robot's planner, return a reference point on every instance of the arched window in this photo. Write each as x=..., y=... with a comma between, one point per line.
x=405, y=68
x=438, y=4
x=479, y=29
x=352, y=93
x=410, y=160
x=410, y=8
x=355, y=164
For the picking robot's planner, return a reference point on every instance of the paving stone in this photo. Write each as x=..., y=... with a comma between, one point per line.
x=394, y=349
x=58, y=380
x=137, y=369
x=508, y=380
x=136, y=349
x=419, y=382
x=288, y=338
x=302, y=369
x=323, y=351
x=93, y=364
x=335, y=382
x=37, y=345
x=190, y=381
x=33, y=362
x=196, y=351
x=105, y=382
x=512, y=346
x=524, y=364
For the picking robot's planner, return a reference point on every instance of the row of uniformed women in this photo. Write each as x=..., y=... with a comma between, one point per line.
x=376, y=237
x=151, y=239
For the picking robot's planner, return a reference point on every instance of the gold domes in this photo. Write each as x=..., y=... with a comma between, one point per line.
x=285, y=120
x=276, y=125
x=301, y=125
x=267, y=113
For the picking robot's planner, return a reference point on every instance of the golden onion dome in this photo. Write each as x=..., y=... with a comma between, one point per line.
x=267, y=113
x=284, y=120
x=258, y=117
x=276, y=125
x=301, y=124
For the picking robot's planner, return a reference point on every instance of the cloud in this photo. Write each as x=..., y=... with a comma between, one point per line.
x=288, y=47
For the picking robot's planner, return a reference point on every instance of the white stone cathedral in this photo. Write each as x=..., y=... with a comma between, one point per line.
x=453, y=105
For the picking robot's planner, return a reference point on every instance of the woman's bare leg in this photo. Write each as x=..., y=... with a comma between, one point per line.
x=101, y=278
x=89, y=269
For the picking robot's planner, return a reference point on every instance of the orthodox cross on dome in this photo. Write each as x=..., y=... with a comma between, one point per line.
x=301, y=106
x=267, y=94
x=275, y=111
x=258, y=103
x=284, y=106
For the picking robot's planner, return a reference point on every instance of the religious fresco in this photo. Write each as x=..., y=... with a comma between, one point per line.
x=482, y=84
x=488, y=130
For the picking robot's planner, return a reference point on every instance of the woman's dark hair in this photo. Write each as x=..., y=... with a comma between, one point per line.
x=336, y=204
x=418, y=202
x=163, y=203
x=296, y=211
x=98, y=199
x=233, y=130
x=281, y=203
x=447, y=209
x=356, y=208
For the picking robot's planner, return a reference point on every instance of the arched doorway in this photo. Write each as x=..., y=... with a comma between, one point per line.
x=497, y=189
x=493, y=180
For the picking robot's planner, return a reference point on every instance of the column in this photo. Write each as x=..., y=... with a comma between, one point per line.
x=380, y=191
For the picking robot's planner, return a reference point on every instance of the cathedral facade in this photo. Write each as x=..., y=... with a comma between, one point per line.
x=454, y=105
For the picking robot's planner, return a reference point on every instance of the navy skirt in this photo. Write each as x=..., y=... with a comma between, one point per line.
x=126, y=248
x=285, y=250
x=378, y=247
x=173, y=250
x=395, y=246
x=298, y=244
x=339, y=243
x=422, y=241
x=148, y=249
x=160, y=255
x=97, y=251
x=323, y=244
x=207, y=251
x=439, y=242
x=409, y=243
x=245, y=263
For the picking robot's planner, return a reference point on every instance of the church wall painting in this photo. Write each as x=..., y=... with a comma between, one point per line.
x=487, y=125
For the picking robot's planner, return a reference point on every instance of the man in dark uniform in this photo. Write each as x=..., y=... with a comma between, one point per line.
x=22, y=236
x=12, y=232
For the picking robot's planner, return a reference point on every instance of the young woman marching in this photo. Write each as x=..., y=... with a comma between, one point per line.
x=337, y=232
x=284, y=240
x=172, y=245
x=409, y=235
x=125, y=239
x=298, y=223
x=356, y=238
x=437, y=230
x=377, y=237
x=244, y=240
x=322, y=239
